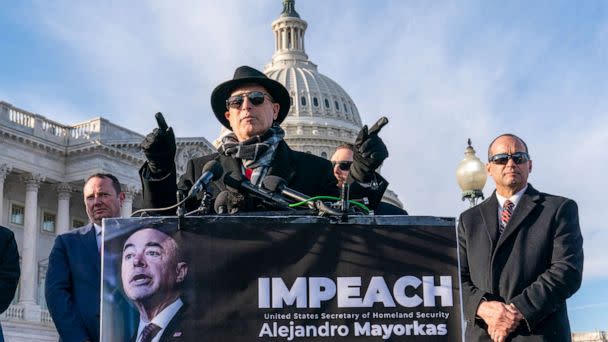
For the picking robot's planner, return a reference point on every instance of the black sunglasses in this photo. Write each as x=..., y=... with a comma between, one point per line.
x=503, y=158
x=343, y=165
x=255, y=97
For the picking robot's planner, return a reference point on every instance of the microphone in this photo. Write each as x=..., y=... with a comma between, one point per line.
x=266, y=196
x=221, y=202
x=211, y=171
x=228, y=202
x=278, y=184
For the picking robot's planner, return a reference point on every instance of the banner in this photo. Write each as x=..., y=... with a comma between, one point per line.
x=257, y=278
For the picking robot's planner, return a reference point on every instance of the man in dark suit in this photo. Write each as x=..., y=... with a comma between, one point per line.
x=9, y=270
x=252, y=106
x=74, y=273
x=153, y=269
x=521, y=254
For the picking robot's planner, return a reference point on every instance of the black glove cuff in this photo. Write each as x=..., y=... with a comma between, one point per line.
x=160, y=168
x=360, y=170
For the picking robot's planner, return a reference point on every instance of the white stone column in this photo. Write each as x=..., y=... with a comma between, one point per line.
x=127, y=205
x=29, y=260
x=29, y=263
x=276, y=40
x=4, y=171
x=63, y=207
x=283, y=39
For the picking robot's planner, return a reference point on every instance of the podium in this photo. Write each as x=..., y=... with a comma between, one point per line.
x=287, y=278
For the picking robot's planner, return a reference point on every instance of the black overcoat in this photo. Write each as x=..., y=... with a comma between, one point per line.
x=536, y=264
x=304, y=172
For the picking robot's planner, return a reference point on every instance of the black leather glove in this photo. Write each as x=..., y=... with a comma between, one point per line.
x=159, y=148
x=370, y=152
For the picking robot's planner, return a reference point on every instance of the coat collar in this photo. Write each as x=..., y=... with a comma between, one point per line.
x=489, y=210
x=489, y=213
x=282, y=164
x=525, y=206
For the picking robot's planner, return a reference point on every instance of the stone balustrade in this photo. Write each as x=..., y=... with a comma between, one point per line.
x=45, y=317
x=17, y=313
x=84, y=131
x=21, y=118
x=14, y=312
x=94, y=130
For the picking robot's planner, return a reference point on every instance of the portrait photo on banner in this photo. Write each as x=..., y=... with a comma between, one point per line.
x=284, y=278
x=146, y=280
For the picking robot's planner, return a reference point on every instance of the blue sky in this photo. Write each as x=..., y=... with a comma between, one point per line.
x=442, y=71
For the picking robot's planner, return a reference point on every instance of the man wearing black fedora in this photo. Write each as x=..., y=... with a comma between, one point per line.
x=253, y=106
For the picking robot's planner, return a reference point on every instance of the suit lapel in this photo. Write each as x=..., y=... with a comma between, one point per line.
x=524, y=208
x=174, y=328
x=90, y=251
x=282, y=165
x=489, y=213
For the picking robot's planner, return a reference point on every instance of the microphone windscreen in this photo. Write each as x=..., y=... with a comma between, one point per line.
x=273, y=183
x=215, y=168
x=221, y=202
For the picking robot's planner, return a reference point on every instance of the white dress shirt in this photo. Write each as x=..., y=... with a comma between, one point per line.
x=514, y=199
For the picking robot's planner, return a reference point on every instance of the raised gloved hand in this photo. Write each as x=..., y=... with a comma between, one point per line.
x=370, y=152
x=159, y=147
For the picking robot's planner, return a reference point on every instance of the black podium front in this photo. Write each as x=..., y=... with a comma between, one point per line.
x=289, y=278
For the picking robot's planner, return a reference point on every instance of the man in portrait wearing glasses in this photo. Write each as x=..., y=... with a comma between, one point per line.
x=252, y=106
x=521, y=254
x=341, y=161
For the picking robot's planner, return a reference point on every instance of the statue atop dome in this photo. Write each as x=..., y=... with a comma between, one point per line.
x=322, y=115
x=289, y=9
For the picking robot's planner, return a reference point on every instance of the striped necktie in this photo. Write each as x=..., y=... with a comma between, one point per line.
x=505, y=216
x=149, y=332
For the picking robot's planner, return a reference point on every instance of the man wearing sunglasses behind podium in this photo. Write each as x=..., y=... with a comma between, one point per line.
x=252, y=106
x=521, y=254
x=342, y=160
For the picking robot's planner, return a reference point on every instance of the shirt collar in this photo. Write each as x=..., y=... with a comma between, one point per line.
x=514, y=199
x=163, y=318
x=97, y=229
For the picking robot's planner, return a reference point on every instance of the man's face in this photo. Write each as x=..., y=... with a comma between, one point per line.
x=150, y=270
x=249, y=120
x=341, y=155
x=101, y=199
x=511, y=177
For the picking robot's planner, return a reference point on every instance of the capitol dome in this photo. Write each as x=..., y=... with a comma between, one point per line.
x=322, y=115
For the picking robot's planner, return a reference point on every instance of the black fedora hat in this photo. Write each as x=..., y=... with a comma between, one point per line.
x=248, y=75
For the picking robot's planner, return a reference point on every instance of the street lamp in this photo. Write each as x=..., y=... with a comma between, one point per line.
x=471, y=176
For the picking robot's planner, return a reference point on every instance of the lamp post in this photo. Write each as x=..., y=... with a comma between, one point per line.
x=471, y=176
